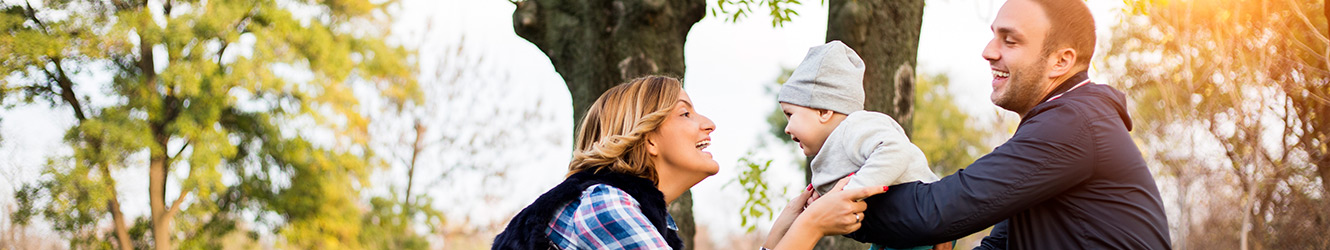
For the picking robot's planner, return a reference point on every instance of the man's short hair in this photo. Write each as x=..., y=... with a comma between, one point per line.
x=1071, y=25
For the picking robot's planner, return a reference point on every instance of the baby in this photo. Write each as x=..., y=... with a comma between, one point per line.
x=824, y=102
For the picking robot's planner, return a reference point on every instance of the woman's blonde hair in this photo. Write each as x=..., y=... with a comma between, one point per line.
x=612, y=135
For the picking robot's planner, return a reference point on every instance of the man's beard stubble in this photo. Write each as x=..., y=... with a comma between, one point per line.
x=1023, y=90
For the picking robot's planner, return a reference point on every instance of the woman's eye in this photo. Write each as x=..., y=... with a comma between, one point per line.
x=686, y=113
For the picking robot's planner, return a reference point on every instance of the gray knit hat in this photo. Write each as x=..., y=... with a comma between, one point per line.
x=831, y=77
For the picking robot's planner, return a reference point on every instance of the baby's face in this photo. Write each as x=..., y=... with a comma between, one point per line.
x=807, y=127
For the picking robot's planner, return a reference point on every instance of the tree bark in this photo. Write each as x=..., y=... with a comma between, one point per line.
x=113, y=205
x=157, y=159
x=886, y=36
x=597, y=44
x=157, y=167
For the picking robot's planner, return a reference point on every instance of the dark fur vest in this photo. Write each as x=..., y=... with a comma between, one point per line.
x=527, y=229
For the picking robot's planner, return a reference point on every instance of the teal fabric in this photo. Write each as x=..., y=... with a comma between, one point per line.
x=881, y=247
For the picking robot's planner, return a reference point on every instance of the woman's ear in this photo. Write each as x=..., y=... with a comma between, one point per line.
x=652, y=149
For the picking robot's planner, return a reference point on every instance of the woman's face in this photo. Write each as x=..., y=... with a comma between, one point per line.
x=681, y=140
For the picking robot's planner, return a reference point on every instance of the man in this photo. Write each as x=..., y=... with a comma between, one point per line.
x=1070, y=178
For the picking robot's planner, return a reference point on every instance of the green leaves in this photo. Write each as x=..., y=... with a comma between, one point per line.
x=757, y=205
x=943, y=131
x=734, y=10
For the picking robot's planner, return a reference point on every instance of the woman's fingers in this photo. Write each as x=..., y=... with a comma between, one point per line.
x=803, y=199
x=846, y=224
x=863, y=193
x=840, y=185
x=808, y=192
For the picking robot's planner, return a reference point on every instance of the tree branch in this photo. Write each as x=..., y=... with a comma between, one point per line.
x=1298, y=11
x=67, y=89
x=175, y=206
x=177, y=152
x=32, y=14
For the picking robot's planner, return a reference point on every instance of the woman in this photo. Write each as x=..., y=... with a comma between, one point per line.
x=639, y=147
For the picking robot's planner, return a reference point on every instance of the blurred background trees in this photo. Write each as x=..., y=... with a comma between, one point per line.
x=243, y=107
x=1230, y=100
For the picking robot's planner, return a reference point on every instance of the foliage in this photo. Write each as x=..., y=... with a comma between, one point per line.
x=74, y=209
x=776, y=120
x=950, y=138
x=263, y=93
x=389, y=219
x=757, y=205
x=735, y=10
x=1229, y=99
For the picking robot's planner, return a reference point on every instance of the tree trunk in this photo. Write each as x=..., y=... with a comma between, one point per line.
x=597, y=44
x=157, y=159
x=113, y=205
x=886, y=36
x=157, y=167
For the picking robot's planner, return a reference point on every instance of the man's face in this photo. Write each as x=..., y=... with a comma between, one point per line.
x=1020, y=68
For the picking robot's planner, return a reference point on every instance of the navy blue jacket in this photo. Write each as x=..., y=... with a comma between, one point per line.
x=1070, y=178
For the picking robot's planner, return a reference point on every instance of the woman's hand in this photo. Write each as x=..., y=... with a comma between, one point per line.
x=835, y=213
x=787, y=216
x=839, y=211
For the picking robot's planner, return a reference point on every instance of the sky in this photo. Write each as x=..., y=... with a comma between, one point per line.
x=729, y=65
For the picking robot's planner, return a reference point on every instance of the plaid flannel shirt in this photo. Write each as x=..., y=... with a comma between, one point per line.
x=605, y=217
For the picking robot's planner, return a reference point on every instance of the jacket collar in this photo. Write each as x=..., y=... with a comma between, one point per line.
x=1067, y=85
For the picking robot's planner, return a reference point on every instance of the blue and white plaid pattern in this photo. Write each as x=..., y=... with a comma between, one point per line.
x=605, y=217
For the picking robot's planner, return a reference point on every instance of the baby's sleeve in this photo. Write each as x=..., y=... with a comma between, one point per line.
x=889, y=159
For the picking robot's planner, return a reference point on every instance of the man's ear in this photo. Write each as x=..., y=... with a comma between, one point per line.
x=1062, y=61
x=652, y=149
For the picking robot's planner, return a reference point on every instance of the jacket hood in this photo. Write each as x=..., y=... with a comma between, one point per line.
x=1112, y=98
